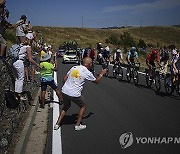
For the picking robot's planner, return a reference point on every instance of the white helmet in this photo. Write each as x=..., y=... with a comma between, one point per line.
x=118, y=50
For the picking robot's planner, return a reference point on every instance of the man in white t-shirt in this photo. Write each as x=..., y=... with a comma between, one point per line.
x=21, y=29
x=71, y=90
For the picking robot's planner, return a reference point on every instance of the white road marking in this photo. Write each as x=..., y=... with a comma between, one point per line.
x=56, y=136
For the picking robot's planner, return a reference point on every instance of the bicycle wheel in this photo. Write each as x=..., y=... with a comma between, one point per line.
x=128, y=74
x=149, y=80
x=119, y=74
x=178, y=89
x=157, y=82
x=168, y=84
x=135, y=77
x=114, y=72
x=107, y=72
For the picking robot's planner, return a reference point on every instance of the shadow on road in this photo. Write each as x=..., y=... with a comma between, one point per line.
x=163, y=94
x=71, y=119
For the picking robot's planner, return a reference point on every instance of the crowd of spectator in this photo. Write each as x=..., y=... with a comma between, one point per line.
x=30, y=52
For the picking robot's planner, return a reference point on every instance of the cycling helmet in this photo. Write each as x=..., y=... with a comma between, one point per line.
x=154, y=51
x=118, y=50
x=133, y=49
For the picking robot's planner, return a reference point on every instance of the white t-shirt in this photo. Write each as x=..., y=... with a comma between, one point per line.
x=20, y=29
x=23, y=52
x=30, y=36
x=77, y=76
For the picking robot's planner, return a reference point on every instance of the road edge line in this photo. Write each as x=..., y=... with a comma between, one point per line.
x=22, y=143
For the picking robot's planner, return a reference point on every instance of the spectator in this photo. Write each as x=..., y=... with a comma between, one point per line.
x=25, y=51
x=47, y=78
x=71, y=90
x=4, y=14
x=30, y=36
x=21, y=29
x=35, y=51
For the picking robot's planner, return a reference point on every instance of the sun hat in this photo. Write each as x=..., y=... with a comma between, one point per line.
x=45, y=57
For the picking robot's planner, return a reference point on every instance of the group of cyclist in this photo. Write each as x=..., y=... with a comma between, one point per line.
x=155, y=59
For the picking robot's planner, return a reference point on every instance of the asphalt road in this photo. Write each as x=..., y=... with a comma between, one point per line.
x=115, y=108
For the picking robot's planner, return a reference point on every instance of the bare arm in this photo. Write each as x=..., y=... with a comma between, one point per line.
x=29, y=55
x=65, y=77
x=100, y=76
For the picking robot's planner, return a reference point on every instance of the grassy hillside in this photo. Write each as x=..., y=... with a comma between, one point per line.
x=155, y=35
x=87, y=36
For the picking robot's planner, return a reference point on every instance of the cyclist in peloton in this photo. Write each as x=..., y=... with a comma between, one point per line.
x=117, y=57
x=151, y=58
x=132, y=54
x=106, y=53
x=175, y=66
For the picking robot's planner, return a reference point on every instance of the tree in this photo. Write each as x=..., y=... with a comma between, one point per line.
x=112, y=40
x=127, y=40
x=141, y=44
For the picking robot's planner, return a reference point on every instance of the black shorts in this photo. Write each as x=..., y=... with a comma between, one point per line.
x=80, y=101
x=26, y=63
x=152, y=64
x=48, y=83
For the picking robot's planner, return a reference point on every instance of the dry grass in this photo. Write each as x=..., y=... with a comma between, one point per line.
x=86, y=37
x=89, y=37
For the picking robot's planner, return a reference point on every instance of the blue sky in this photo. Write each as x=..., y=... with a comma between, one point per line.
x=96, y=13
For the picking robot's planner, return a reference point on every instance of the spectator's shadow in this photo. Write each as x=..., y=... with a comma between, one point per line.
x=71, y=119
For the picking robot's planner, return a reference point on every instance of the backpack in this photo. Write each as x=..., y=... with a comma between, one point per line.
x=11, y=100
x=165, y=55
x=13, y=52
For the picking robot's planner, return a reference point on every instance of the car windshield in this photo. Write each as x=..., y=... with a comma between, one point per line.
x=70, y=53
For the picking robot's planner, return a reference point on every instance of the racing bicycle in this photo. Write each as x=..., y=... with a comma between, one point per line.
x=170, y=86
x=105, y=65
x=118, y=71
x=132, y=72
x=153, y=76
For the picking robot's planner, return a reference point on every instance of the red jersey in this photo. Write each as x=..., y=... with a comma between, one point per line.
x=151, y=58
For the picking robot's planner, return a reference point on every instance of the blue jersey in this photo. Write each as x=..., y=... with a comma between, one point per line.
x=132, y=56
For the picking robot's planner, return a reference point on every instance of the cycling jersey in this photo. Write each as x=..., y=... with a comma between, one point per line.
x=176, y=60
x=117, y=56
x=131, y=56
x=150, y=58
x=105, y=54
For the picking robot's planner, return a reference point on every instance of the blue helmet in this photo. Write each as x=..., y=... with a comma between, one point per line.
x=133, y=49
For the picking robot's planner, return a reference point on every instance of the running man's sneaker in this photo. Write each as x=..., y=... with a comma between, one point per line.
x=56, y=127
x=80, y=127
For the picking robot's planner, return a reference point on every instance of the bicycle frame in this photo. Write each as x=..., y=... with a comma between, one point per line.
x=118, y=71
x=152, y=75
x=133, y=73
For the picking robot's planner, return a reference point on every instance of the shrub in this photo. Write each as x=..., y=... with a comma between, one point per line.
x=141, y=44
